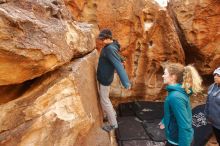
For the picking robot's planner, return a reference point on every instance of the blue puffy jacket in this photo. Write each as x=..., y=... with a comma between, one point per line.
x=212, y=109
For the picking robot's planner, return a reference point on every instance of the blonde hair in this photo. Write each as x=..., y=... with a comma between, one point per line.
x=188, y=76
x=191, y=80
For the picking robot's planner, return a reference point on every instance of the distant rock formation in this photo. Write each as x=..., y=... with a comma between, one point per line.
x=147, y=35
x=199, y=22
x=185, y=32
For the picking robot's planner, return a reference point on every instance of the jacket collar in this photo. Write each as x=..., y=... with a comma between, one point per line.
x=211, y=89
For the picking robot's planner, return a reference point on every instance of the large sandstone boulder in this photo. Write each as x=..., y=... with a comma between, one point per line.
x=147, y=36
x=61, y=108
x=199, y=23
x=37, y=37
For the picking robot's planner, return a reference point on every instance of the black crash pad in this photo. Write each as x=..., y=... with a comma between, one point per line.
x=144, y=110
x=202, y=130
x=148, y=110
x=154, y=132
x=140, y=143
x=130, y=128
x=126, y=109
x=138, y=124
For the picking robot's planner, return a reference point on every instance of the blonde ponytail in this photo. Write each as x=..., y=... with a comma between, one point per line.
x=191, y=80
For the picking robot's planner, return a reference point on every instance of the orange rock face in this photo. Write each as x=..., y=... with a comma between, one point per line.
x=60, y=108
x=199, y=22
x=37, y=37
x=48, y=98
x=147, y=36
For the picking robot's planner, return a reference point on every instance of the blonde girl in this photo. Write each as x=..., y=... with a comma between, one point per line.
x=181, y=83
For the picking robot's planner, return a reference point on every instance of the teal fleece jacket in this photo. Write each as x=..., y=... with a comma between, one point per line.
x=178, y=116
x=109, y=61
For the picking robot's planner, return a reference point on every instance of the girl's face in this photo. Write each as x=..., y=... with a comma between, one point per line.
x=217, y=78
x=167, y=78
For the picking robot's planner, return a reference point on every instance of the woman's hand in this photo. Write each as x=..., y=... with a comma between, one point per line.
x=161, y=125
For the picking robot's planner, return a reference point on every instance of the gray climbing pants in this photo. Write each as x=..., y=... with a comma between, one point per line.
x=107, y=105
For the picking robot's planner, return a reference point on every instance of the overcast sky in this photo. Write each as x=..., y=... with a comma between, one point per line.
x=162, y=3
